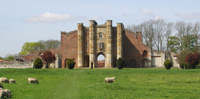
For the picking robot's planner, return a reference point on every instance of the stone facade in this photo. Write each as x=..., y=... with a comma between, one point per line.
x=87, y=43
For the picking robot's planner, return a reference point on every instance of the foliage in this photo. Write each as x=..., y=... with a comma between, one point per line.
x=192, y=59
x=168, y=64
x=189, y=41
x=181, y=58
x=120, y=63
x=48, y=57
x=10, y=57
x=70, y=63
x=37, y=63
x=31, y=46
x=1, y=58
x=174, y=44
x=56, y=82
x=49, y=44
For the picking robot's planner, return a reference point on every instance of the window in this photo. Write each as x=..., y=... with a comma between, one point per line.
x=101, y=45
x=100, y=35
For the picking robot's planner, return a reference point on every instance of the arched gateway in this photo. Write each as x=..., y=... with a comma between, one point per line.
x=86, y=43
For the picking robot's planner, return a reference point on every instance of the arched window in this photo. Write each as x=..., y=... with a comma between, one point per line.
x=144, y=53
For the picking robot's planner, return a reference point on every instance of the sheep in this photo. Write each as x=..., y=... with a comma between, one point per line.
x=1, y=86
x=33, y=80
x=5, y=93
x=12, y=81
x=109, y=80
x=4, y=79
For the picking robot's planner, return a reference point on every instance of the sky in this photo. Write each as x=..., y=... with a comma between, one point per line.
x=33, y=20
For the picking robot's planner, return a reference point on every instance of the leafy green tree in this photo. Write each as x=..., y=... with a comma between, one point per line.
x=31, y=46
x=181, y=58
x=174, y=44
x=49, y=44
x=189, y=41
x=1, y=58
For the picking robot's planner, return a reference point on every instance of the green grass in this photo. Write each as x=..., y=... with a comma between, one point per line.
x=89, y=83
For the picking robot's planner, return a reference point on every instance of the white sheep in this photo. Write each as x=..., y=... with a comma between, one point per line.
x=33, y=80
x=109, y=80
x=12, y=81
x=1, y=86
x=4, y=79
x=5, y=93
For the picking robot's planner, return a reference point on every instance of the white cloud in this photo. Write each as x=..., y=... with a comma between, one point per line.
x=192, y=16
x=91, y=18
x=51, y=17
x=147, y=12
x=151, y=14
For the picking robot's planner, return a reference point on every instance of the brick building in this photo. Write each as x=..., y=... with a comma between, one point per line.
x=87, y=43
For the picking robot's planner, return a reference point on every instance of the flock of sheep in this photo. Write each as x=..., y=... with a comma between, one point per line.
x=6, y=92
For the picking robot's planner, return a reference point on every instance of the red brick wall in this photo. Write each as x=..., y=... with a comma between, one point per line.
x=133, y=48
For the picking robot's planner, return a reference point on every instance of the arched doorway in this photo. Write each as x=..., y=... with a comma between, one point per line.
x=132, y=63
x=86, y=61
x=66, y=63
x=145, y=63
x=100, y=60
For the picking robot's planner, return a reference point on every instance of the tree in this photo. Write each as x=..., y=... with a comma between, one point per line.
x=49, y=44
x=193, y=59
x=174, y=44
x=31, y=46
x=10, y=57
x=48, y=58
x=181, y=58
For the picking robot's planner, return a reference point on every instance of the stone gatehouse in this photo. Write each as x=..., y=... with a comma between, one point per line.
x=87, y=43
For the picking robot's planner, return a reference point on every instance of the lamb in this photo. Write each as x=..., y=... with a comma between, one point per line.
x=33, y=80
x=109, y=80
x=5, y=93
x=12, y=81
x=1, y=86
x=4, y=79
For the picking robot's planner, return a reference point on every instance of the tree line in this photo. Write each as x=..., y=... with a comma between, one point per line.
x=168, y=36
x=39, y=46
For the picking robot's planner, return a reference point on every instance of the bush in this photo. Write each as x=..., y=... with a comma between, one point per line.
x=120, y=63
x=37, y=63
x=70, y=63
x=168, y=64
x=185, y=66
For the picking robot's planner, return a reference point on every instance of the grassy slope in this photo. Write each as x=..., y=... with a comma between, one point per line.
x=87, y=84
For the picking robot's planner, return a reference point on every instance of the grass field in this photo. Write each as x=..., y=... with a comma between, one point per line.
x=89, y=84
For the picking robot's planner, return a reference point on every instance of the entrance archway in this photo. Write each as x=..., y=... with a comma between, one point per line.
x=86, y=61
x=132, y=63
x=66, y=63
x=100, y=60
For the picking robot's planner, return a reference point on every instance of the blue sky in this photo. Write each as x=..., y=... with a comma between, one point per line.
x=33, y=20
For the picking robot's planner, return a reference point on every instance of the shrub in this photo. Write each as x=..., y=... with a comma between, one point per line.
x=48, y=57
x=168, y=64
x=37, y=63
x=120, y=63
x=185, y=66
x=70, y=63
x=192, y=59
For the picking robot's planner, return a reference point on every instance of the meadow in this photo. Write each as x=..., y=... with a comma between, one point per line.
x=134, y=83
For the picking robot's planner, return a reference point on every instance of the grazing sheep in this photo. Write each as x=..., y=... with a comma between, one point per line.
x=12, y=81
x=4, y=79
x=5, y=93
x=1, y=86
x=109, y=80
x=33, y=80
